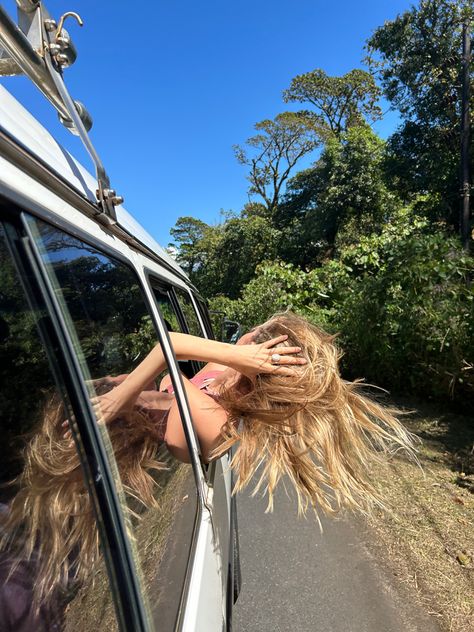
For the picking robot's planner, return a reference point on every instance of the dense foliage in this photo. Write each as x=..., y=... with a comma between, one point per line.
x=363, y=242
x=418, y=59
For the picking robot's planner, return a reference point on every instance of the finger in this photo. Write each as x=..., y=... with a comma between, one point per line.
x=291, y=360
x=285, y=366
x=274, y=341
x=98, y=405
x=285, y=371
x=286, y=350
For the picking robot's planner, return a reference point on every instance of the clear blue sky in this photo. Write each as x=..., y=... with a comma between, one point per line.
x=172, y=85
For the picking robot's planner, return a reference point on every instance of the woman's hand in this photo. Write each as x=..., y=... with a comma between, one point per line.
x=247, y=339
x=106, y=408
x=267, y=357
x=109, y=406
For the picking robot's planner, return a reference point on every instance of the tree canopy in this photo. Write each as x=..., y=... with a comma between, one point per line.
x=339, y=102
x=417, y=58
x=188, y=235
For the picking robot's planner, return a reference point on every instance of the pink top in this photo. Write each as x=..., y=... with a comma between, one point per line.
x=202, y=381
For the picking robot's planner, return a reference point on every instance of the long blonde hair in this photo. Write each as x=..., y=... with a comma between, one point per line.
x=50, y=519
x=317, y=429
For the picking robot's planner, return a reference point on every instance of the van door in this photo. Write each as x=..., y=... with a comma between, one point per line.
x=107, y=319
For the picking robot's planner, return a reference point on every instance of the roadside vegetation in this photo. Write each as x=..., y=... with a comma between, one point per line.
x=365, y=242
x=426, y=537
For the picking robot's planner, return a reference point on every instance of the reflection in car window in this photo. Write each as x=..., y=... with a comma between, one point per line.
x=108, y=318
x=206, y=318
x=192, y=320
x=44, y=554
x=166, y=308
x=193, y=325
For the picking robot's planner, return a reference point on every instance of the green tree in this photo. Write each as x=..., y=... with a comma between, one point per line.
x=276, y=286
x=418, y=59
x=221, y=259
x=188, y=234
x=339, y=102
x=272, y=154
x=398, y=298
x=342, y=197
x=406, y=315
x=243, y=243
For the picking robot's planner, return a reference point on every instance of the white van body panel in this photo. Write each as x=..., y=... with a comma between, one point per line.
x=201, y=611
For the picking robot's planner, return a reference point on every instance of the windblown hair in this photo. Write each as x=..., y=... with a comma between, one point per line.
x=317, y=429
x=50, y=520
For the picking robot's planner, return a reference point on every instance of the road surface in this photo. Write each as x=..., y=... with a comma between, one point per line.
x=297, y=579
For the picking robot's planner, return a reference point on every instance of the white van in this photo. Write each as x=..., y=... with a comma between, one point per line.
x=85, y=293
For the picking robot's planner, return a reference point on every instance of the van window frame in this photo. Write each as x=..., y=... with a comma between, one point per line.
x=208, y=469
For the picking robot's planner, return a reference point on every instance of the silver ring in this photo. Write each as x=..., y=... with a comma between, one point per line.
x=275, y=358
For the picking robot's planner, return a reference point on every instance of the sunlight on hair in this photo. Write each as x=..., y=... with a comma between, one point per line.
x=317, y=429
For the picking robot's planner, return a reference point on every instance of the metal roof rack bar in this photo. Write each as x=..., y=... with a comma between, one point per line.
x=41, y=49
x=24, y=59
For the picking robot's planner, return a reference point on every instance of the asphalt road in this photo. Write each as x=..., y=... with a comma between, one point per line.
x=297, y=579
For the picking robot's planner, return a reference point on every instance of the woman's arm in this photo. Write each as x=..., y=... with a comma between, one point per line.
x=185, y=347
x=246, y=359
x=246, y=339
x=123, y=396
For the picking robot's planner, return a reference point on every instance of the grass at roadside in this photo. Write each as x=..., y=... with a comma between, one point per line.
x=427, y=536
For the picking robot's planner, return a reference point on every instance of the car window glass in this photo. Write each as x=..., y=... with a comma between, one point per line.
x=174, y=322
x=165, y=306
x=49, y=545
x=206, y=317
x=109, y=321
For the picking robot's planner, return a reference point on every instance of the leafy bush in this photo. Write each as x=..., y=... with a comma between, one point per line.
x=401, y=299
x=407, y=323
x=276, y=287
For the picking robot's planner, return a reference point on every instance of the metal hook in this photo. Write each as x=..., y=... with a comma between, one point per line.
x=62, y=19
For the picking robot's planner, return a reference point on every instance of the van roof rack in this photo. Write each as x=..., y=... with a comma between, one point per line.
x=41, y=48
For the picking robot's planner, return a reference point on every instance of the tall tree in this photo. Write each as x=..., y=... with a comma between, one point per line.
x=339, y=102
x=188, y=235
x=272, y=154
x=244, y=243
x=346, y=187
x=418, y=59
